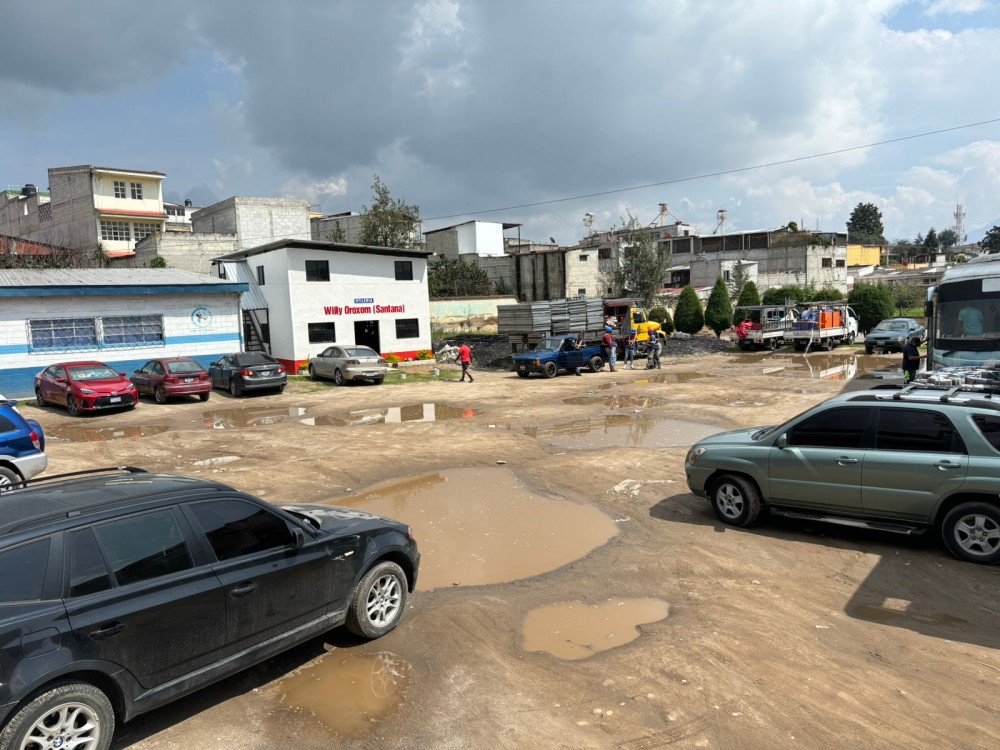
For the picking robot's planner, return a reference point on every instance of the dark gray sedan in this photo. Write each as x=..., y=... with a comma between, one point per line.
x=892, y=334
x=343, y=363
x=248, y=371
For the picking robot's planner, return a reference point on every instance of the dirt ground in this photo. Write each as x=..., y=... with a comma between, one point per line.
x=787, y=635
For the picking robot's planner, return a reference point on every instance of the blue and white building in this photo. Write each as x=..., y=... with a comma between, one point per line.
x=122, y=317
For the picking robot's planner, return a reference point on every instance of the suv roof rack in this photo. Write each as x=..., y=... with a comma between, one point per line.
x=924, y=393
x=71, y=474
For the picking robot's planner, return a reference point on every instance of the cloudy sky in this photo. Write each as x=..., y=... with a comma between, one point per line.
x=465, y=107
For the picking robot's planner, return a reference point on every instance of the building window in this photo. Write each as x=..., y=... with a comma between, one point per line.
x=260, y=275
x=407, y=328
x=584, y=257
x=604, y=253
x=115, y=230
x=62, y=335
x=120, y=189
x=841, y=263
x=175, y=210
x=727, y=276
x=45, y=212
x=322, y=333
x=317, y=270
x=581, y=292
x=222, y=270
x=141, y=229
x=128, y=331
x=404, y=270
x=827, y=262
x=137, y=191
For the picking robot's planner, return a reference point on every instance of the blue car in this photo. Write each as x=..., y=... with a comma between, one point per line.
x=22, y=446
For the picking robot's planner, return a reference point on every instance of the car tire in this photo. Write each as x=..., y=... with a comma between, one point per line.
x=70, y=708
x=550, y=370
x=159, y=395
x=971, y=532
x=7, y=478
x=378, y=602
x=850, y=337
x=72, y=407
x=735, y=500
x=772, y=344
x=234, y=388
x=312, y=373
x=39, y=398
x=523, y=373
x=338, y=377
x=869, y=349
x=204, y=396
x=280, y=390
x=596, y=364
x=378, y=381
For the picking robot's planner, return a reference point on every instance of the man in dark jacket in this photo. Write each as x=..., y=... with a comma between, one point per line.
x=911, y=359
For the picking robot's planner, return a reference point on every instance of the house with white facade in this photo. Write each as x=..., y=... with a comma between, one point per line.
x=305, y=295
x=122, y=317
x=101, y=212
x=471, y=238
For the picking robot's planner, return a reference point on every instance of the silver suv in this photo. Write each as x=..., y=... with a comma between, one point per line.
x=903, y=460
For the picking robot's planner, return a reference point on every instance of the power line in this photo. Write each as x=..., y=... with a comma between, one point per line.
x=720, y=173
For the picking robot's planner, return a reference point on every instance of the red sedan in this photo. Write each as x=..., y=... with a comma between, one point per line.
x=84, y=386
x=172, y=376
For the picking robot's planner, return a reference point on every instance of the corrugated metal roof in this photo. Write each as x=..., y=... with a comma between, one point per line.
x=41, y=277
x=239, y=271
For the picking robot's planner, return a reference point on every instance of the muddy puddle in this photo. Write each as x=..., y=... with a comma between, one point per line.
x=825, y=366
x=576, y=631
x=245, y=417
x=616, y=402
x=89, y=434
x=482, y=525
x=349, y=693
x=393, y=415
x=623, y=431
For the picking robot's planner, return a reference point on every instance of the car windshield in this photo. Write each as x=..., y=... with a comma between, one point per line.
x=93, y=372
x=550, y=345
x=184, y=366
x=891, y=325
x=253, y=358
x=777, y=429
x=360, y=351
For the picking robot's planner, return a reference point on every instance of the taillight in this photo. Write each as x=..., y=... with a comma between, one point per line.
x=281, y=369
x=170, y=379
x=203, y=376
x=246, y=373
x=36, y=440
x=353, y=362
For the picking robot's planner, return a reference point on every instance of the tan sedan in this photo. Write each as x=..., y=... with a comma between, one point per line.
x=343, y=363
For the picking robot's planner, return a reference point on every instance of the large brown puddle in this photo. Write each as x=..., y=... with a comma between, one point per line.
x=576, y=630
x=823, y=366
x=82, y=434
x=349, y=693
x=616, y=402
x=481, y=526
x=623, y=431
x=394, y=415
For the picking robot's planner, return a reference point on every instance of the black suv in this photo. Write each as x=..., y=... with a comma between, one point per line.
x=123, y=590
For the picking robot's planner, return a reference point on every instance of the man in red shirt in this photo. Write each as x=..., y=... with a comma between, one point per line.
x=465, y=357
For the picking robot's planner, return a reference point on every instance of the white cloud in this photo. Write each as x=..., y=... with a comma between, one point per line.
x=941, y=7
x=314, y=190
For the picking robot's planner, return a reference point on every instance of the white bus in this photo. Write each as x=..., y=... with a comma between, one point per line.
x=963, y=315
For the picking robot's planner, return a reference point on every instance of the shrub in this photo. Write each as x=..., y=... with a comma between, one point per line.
x=719, y=310
x=778, y=295
x=661, y=315
x=393, y=359
x=425, y=354
x=688, y=315
x=873, y=303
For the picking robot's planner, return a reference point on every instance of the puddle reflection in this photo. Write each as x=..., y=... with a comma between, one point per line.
x=87, y=434
x=432, y=412
x=624, y=431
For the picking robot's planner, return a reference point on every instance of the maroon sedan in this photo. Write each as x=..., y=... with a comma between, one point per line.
x=84, y=386
x=172, y=376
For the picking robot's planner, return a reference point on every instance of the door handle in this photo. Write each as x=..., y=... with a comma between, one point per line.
x=107, y=630
x=243, y=589
x=844, y=460
x=948, y=465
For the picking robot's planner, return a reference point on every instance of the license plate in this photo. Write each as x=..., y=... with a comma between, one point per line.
x=188, y=380
x=114, y=399
x=370, y=374
x=522, y=368
x=265, y=374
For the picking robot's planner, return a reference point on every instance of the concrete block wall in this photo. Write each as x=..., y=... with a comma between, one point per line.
x=182, y=336
x=187, y=251
x=255, y=221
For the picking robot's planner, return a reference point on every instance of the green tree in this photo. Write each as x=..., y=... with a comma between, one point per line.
x=661, y=315
x=865, y=225
x=738, y=279
x=749, y=295
x=688, y=315
x=905, y=296
x=719, y=310
x=948, y=238
x=903, y=249
x=642, y=265
x=158, y=262
x=388, y=222
x=873, y=303
x=779, y=294
x=931, y=243
x=824, y=294
x=453, y=277
x=991, y=241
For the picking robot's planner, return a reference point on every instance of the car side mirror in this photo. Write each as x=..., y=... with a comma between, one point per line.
x=123, y=374
x=298, y=538
x=782, y=441
x=61, y=381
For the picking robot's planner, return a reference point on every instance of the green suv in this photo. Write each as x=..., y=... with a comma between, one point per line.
x=903, y=460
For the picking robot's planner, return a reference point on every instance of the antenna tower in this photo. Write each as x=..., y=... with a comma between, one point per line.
x=960, y=222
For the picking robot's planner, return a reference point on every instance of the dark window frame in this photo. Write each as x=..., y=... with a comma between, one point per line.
x=44, y=561
x=121, y=520
x=861, y=420
x=407, y=328
x=260, y=275
x=317, y=270
x=191, y=511
x=404, y=270
x=909, y=438
x=316, y=335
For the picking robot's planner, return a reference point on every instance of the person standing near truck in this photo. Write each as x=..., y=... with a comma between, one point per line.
x=911, y=360
x=654, y=352
x=578, y=345
x=609, y=347
x=631, y=345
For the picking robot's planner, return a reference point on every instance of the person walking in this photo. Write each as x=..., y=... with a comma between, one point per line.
x=631, y=344
x=609, y=348
x=911, y=360
x=465, y=357
x=578, y=345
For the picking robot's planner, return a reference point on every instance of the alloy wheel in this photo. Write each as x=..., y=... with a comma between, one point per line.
x=382, y=606
x=978, y=535
x=73, y=726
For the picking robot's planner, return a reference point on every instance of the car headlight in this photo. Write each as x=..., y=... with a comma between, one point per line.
x=87, y=391
x=694, y=454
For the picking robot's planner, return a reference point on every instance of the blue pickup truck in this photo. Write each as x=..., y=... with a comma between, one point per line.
x=558, y=353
